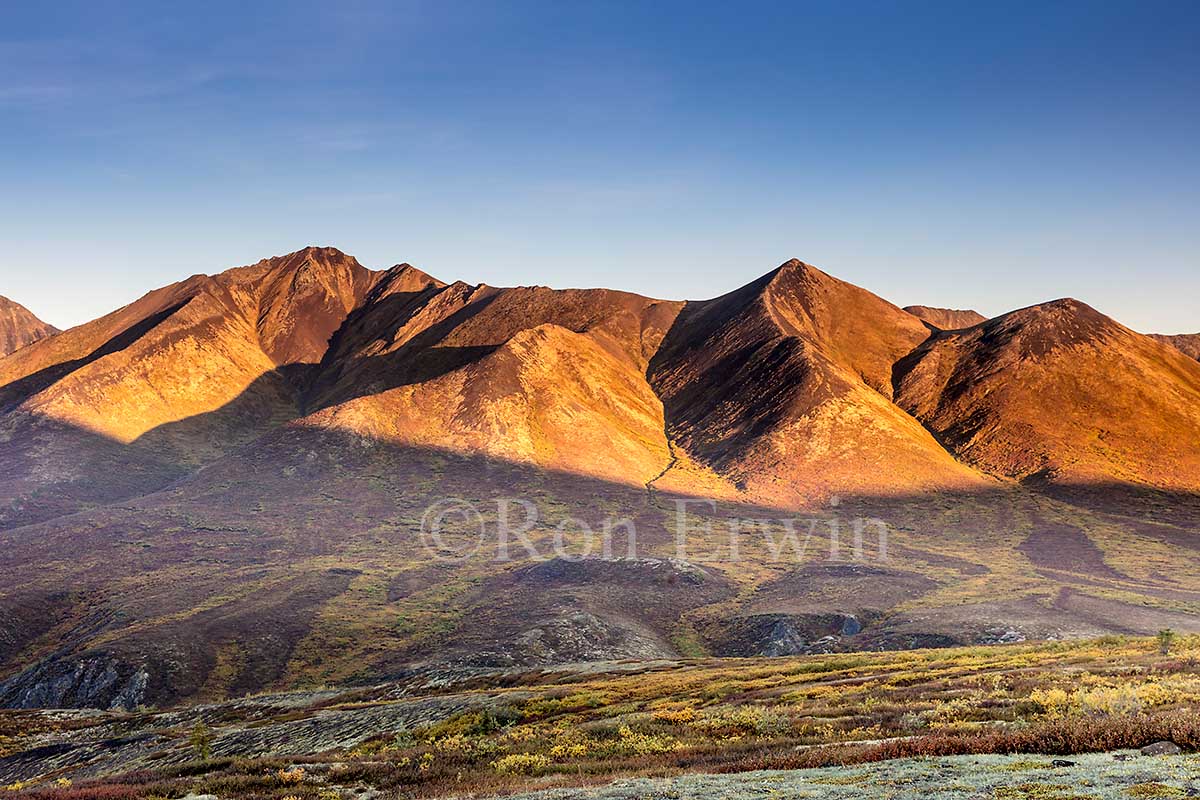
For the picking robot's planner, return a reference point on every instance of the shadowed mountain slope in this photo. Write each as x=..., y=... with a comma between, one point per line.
x=1060, y=392
x=19, y=327
x=784, y=387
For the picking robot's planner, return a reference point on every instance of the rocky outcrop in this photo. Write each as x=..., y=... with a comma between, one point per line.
x=774, y=635
x=98, y=681
x=567, y=610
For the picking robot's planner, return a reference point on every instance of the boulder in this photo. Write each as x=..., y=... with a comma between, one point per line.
x=1161, y=749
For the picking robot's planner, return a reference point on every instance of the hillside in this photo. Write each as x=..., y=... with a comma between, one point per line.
x=1060, y=393
x=529, y=375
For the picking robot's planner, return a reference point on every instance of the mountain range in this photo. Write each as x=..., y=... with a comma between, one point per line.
x=218, y=488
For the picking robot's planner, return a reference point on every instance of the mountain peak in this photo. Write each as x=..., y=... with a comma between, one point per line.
x=795, y=264
x=19, y=326
x=1065, y=304
x=313, y=259
x=804, y=300
x=819, y=353
x=1062, y=322
x=314, y=254
x=407, y=278
x=795, y=269
x=1058, y=389
x=302, y=298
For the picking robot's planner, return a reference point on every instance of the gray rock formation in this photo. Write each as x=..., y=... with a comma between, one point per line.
x=99, y=681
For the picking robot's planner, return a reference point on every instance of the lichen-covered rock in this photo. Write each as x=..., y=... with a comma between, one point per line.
x=99, y=681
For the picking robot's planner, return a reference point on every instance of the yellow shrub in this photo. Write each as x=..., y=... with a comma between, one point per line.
x=520, y=733
x=1100, y=700
x=742, y=721
x=1052, y=702
x=464, y=745
x=675, y=716
x=1156, y=694
x=521, y=764
x=633, y=743
x=1109, y=701
x=569, y=750
x=950, y=712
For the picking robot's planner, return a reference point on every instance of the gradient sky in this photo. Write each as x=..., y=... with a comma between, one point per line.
x=939, y=153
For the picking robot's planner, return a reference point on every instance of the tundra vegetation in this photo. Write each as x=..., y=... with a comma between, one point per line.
x=513, y=731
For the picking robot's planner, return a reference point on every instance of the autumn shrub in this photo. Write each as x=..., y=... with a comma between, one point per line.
x=521, y=764
x=1105, y=700
x=675, y=716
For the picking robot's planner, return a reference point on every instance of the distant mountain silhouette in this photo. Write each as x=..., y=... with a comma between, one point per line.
x=946, y=319
x=1188, y=343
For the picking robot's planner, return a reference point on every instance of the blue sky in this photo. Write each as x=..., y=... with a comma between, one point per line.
x=940, y=153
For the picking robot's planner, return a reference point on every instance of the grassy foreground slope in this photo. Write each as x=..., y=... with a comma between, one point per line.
x=472, y=732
